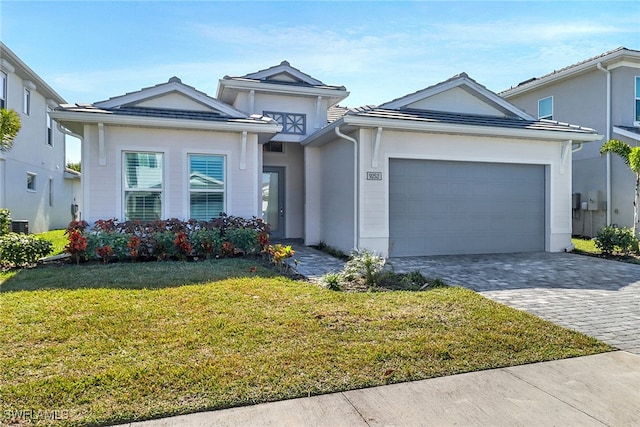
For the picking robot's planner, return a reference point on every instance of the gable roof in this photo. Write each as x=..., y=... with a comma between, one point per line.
x=466, y=83
x=399, y=115
x=174, y=85
x=610, y=59
x=282, y=79
x=10, y=62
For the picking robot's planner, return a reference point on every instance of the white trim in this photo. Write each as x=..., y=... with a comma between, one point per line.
x=454, y=83
x=283, y=67
x=6, y=66
x=102, y=155
x=280, y=88
x=626, y=133
x=612, y=60
x=243, y=151
x=107, y=118
x=166, y=88
x=120, y=198
x=376, y=148
x=469, y=129
x=547, y=116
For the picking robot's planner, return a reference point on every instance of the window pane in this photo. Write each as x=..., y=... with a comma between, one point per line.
x=637, y=87
x=205, y=206
x=545, y=108
x=638, y=110
x=31, y=182
x=144, y=206
x=143, y=170
x=206, y=172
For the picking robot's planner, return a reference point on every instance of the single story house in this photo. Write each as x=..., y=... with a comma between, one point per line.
x=449, y=169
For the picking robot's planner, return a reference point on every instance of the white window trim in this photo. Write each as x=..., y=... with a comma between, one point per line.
x=224, y=178
x=123, y=187
x=34, y=180
x=26, y=101
x=636, y=108
x=3, y=89
x=548, y=116
x=50, y=128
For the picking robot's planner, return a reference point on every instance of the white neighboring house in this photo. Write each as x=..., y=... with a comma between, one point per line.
x=34, y=183
x=450, y=169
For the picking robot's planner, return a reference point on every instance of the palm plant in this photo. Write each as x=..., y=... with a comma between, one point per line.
x=631, y=157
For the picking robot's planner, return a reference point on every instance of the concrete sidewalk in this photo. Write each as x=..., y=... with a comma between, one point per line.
x=599, y=390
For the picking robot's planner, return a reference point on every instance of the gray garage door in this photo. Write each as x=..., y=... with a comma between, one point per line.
x=442, y=207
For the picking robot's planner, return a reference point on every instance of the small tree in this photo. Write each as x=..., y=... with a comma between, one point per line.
x=9, y=128
x=631, y=157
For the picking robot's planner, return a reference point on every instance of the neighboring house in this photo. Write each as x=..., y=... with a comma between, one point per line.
x=453, y=168
x=603, y=93
x=34, y=183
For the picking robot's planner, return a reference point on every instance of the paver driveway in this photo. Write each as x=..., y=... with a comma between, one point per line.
x=597, y=297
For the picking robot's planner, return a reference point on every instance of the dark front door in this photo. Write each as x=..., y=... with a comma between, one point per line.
x=273, y=212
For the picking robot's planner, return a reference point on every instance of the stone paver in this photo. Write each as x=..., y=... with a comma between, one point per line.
x=597, y=297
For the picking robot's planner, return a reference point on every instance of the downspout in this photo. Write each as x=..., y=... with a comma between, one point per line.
x=608, y=137
x=355, y=185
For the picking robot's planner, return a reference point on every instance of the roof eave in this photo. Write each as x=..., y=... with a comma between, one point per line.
x=336, y=95
x=567, y=73
x=449, y=128
x=237, y=126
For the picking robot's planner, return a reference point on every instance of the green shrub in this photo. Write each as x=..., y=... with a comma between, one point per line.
x=5, y=221
x=332, y=281
x=98, y=239
x=245, y=239
x=611, y=239
x=365, y=264
x=20, y=250
x=206, y=242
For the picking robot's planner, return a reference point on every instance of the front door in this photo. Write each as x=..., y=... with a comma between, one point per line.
x=273, y=200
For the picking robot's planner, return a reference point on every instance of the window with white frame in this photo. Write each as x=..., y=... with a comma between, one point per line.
x=143, y=185
x=49, y=128
x=26, y=106
x=545, y=108
x=291, y=123
x=637, y=119
x=206, y=186
x=3, y=90
x=31, y=181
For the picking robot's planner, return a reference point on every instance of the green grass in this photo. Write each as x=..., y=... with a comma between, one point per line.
x=585, y=245
x=123, y=342
x=58, y=239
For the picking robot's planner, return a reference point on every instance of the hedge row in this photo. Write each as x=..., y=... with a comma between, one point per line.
x=170, y=239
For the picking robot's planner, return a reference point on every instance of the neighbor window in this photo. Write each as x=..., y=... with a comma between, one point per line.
x=3, y=90
x=206, y=186
x=27, y=102
x=545, y=108
x=637, y=99
x=31, y=181
x=291, y=123
x=49, y=128
x=143, y=185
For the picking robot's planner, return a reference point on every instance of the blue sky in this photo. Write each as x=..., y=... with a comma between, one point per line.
x=89, y=51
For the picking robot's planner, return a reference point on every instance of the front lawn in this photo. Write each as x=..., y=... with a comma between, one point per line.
x=122, y=342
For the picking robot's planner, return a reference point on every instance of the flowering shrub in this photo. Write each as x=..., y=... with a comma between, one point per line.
x=134, y=246
x=21, y=250
x=77, y=244
x=182, y=243
x=5, y=221
x=104, y=252
x=168, y=239
x=278, y=253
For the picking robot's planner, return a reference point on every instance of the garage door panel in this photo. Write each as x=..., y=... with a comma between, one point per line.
x=443, y=207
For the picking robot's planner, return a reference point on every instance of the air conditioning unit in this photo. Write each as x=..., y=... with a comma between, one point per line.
x=21, y=226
